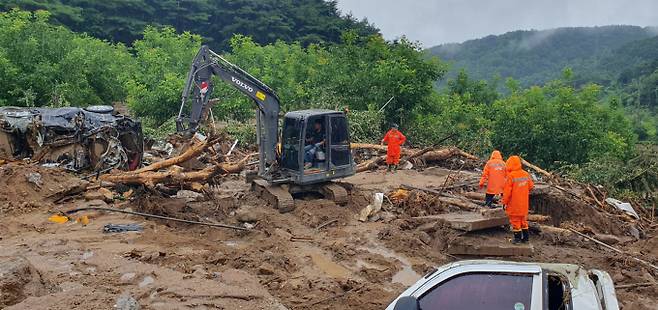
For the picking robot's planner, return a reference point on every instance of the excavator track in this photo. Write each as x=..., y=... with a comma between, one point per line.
x=275, y=195
x=335, y=192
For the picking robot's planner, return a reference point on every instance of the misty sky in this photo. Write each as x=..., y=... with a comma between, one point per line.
x=435, y=22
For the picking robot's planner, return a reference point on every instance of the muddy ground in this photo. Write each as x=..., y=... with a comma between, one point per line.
x=317, y=257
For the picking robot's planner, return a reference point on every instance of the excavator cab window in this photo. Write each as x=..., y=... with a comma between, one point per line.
x=315, y=143
x=290, y=144
x=339, y=142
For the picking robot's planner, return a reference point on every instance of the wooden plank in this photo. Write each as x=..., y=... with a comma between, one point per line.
x=490, y=250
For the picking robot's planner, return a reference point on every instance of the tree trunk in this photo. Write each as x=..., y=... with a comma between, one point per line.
x=150, y=178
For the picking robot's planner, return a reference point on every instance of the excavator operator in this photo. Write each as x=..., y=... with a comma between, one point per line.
x=314, y=140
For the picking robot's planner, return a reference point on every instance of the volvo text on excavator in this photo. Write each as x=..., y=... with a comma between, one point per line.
x=314, y=144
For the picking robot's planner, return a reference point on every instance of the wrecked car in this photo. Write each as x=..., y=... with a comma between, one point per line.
x=490, y=284
x=93, y=138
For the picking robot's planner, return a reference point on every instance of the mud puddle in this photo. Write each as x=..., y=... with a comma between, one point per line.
x=326, y=265
x=406, y=276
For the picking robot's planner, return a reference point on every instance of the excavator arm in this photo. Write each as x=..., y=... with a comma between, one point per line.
x=199, y=87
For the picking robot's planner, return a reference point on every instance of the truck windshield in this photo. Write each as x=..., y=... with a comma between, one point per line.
x=480, y=291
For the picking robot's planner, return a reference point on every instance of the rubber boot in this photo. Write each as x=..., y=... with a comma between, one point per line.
x=525, y=235
x=517, y=237
x=395, y=168
x=388, y=168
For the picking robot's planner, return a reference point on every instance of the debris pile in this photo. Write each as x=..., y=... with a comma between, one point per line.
x=91, y=139
x=394, y=228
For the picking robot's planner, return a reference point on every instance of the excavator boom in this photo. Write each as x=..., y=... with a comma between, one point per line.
x=199, y=87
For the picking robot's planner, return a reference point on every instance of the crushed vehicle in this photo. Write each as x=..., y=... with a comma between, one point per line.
x=491, y=284
x=95, y=138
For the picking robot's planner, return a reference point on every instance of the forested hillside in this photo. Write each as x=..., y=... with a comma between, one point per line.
x=560, y=125
x=595, y=54
x=305, y=21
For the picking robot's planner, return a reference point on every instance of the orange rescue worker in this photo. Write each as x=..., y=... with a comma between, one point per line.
x=516, y=198
x=394, y=138
x=494, y=176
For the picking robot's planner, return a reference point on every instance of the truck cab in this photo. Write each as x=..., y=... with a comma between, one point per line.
x=491, y=285
x=315, y=146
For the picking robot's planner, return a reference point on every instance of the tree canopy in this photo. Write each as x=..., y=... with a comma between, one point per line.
x=42, y=64
x=266, y=21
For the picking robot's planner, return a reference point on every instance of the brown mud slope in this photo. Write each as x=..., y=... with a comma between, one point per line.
x=25, y=187
x=317, y=257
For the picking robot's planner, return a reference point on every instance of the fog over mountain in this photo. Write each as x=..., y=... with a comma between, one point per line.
x=434, y=22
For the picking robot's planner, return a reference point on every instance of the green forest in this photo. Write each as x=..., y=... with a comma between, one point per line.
x=623, y=60
x=216, y=21
x=563, y=124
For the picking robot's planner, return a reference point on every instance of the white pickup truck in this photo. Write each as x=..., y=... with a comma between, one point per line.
x=494, y=285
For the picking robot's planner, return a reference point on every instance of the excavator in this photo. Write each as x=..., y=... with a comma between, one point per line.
x=312, y=149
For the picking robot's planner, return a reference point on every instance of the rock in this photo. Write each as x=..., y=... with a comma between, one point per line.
x=34, y=178
x=266, y=269
x=127, y=277
x=246, y=214
x=126, y=302
x=634, y=232
x=87, y=255
x=18, y=280
x=148, y=280
x=188, y=195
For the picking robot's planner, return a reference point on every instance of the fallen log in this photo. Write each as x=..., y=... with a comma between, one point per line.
x=428, y=149
x=538, y=218
x=474, y=195
x=369, y=146
x=371, y=164
x=150, y=178
x=466, y=205
x=533, y=167
x=444, y=154
x=427, y=156
x=192, y=152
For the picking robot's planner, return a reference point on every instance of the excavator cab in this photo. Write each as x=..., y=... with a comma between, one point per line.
x=315, y=146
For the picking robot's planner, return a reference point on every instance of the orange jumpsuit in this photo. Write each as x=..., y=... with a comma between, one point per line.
x=494, y=174
x=516, y=195
x=394, y=138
